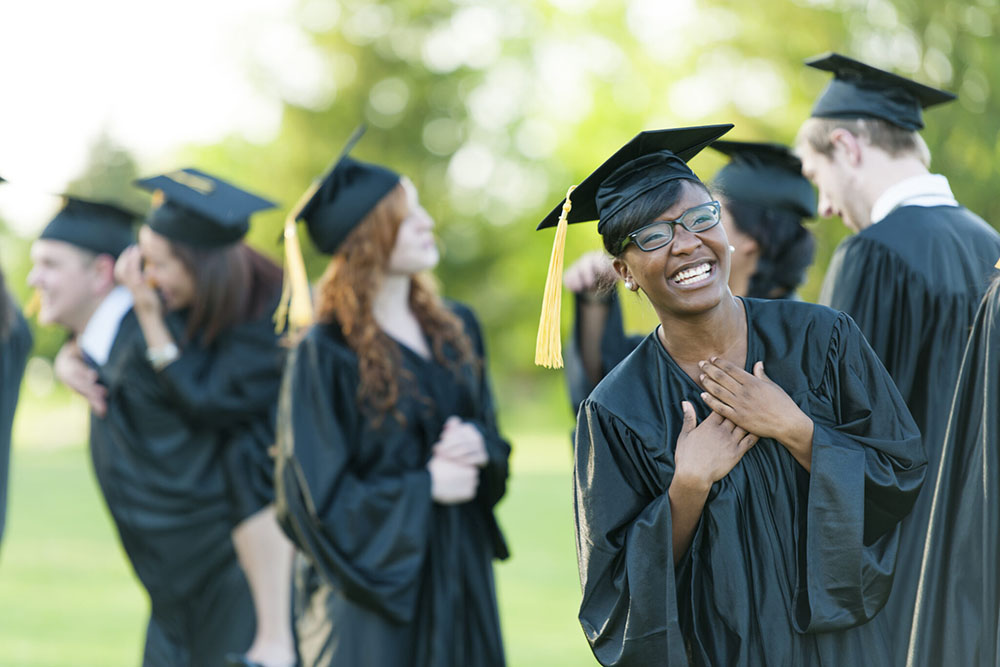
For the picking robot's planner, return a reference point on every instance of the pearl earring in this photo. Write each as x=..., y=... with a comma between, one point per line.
x=732, y=248
x=629, y=285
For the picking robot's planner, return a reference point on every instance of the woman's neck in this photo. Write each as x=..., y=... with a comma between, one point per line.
x=391, y=310
x=720, y=331
x=392, y=300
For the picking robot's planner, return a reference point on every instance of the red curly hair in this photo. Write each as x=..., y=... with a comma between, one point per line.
x=346, y=295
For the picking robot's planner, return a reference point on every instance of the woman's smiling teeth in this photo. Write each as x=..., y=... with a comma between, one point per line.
x=693, y=275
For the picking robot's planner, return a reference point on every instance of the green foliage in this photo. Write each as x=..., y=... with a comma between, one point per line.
x=494, y=108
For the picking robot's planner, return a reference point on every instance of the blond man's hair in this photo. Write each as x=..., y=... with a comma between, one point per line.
x=883, y=135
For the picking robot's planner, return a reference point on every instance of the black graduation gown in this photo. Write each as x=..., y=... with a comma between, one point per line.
x=14, y=348
x=785, y=567
x=158, y=457
x=388, y=576
x=957, y=618
x=913, y=282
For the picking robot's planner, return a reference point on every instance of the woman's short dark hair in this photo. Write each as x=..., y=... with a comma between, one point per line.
x=786, y=247
x=643, y=211
x=232, y=285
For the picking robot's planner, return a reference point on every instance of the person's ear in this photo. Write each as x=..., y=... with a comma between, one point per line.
x=846, y=145
x=621, y=268
x=104, y=272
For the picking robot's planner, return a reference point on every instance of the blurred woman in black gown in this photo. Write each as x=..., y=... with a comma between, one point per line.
x=390, y=462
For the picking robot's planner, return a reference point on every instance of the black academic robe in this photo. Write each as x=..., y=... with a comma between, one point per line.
x=912, y=282
x=158, y=456
x=389, y=577
x=14, y=348
x=785, y=567
x=957, y=618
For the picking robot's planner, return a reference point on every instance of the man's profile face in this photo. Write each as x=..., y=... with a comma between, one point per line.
x=67, y=279
x=832, y=176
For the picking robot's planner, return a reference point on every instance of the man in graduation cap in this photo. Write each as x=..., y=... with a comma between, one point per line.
x=73, y=274
x=741, y=475
x=160, y=475
x=913, y=273
x=15, y=343
x=764, y=201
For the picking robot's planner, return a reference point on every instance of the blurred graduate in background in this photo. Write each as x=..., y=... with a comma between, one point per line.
x=181, y=452
x=912, y=275
x=15, y=343
x=390, y=462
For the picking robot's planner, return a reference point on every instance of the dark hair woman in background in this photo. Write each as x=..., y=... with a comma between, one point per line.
x=191, y=409
x=390, y=462
x=741, y=475
x=764, y=199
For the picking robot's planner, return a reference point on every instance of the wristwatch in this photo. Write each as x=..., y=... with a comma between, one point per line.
x=160, y=357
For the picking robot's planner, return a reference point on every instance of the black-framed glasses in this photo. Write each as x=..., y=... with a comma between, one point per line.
x=658, y=234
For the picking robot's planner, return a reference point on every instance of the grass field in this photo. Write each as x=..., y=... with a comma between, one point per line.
x=69, y=599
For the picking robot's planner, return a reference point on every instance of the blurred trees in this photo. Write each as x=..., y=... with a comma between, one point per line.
x=494, y=107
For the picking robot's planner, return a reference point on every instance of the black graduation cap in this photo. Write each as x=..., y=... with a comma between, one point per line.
x=344, y=196
x=100, y=227
x=862, y=91
x=199, y=209
x=767, y=174
x=650, y=159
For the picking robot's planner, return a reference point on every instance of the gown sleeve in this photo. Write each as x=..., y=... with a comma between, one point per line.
x=868, y=465
x=624, y=547
x=367, y=535
x=223, y=384
x=615, y=346
x=493, y=478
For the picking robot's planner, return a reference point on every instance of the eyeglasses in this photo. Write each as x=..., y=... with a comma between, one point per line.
x=658, y=234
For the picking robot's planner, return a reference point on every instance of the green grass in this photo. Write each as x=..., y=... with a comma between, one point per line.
x=68, y=597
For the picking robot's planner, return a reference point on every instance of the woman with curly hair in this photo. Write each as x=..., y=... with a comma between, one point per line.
x=389, y=462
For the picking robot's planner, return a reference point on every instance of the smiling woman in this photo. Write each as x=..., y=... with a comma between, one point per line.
x=700, y=474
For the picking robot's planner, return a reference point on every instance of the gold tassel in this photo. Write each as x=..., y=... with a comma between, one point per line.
x=997, y=264
x=33, y=305
x=295, y=308
x=548, y=345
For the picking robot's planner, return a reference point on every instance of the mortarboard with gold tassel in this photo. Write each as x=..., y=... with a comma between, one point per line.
x=332, y=207
x=649, y=160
